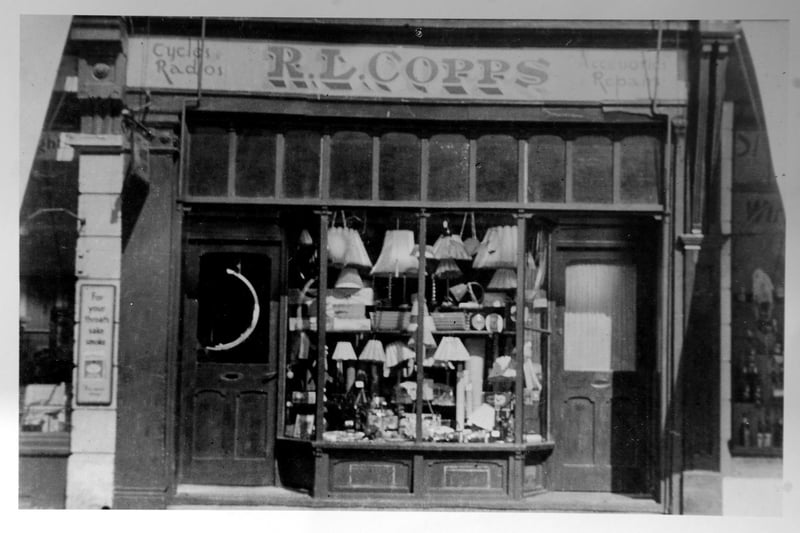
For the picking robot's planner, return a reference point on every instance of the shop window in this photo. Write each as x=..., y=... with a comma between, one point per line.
x=448, y=177
x=233, y=307
x=255, y=163
x=497, y=168
x=464, y=391
x=208, y=162
x=600, y=317
x=351, y=165
x=641, y=167
x=592, y=170
x=301, y=169
x=546, y=168
x=399, y=167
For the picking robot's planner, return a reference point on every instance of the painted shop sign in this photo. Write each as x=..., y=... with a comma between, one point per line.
x=95, y=344
x=407, y=72
x=758, y=213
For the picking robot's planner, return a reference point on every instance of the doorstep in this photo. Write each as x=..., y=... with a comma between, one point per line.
x=190, y=497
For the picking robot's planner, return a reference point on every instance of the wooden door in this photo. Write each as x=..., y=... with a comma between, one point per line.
x=229, y=364
x=602, y=382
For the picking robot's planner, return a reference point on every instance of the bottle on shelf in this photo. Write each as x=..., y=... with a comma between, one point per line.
x=744, y=431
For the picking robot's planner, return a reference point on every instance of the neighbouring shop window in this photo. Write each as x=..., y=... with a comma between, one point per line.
x=470, y=362
x=208, y=162
x=547, y=168
x=255, y=163
x=351, y=165
x=600, y=317
x=497, y=168
x=640, y=169
x=301, y=164
x=399, y=167
x=592, y=170
x=448, y=175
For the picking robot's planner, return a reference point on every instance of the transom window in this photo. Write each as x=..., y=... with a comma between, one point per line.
x=575, y=167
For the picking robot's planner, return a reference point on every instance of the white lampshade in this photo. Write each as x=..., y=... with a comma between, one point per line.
x=427, y=336
x=450, y=247
x=349, y=279
x=344, y=352
x=373, y=351
x=498, y=248
x=396, y=256
x=397, y=352
x=503, y=278
x=451, y=349
x=429, y=253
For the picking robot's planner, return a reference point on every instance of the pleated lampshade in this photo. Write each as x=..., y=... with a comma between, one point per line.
x=344, y=352
x=450, y=247
x=373, y=351
x=498, y=248
x=396, y=257
x=429, y=253
x=397, y=352
x=503, y=278
x=448, y=269
x=451, y=349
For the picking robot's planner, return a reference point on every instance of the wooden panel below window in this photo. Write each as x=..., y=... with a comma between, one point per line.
x=363, y=473
x=454, y=474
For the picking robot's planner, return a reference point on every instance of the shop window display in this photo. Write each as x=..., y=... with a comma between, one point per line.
x=469, y=381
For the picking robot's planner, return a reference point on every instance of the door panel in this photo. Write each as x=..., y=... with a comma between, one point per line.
x=601, y=371
x=229, y=362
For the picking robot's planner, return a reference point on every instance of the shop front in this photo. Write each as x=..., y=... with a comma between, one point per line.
x=366, y=261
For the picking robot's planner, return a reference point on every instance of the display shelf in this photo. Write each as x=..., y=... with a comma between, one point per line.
x=436, y=446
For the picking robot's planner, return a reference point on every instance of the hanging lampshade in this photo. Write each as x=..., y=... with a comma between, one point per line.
x=349, y=279
x=448, y=269
x=397, y=352
x=450, y=247
x=498, y=248
x=503, y=278
x=373, y=351
x=396, y=257
x=451, y=349
x=305, y=238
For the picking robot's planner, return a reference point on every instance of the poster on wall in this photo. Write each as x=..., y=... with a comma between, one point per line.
x=95, y=344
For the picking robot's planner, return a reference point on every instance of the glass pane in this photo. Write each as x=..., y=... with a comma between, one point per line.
x=227, y=307
x=301, y=164
x=351, y=165
x=255, y=163
x=399, y=167
x=641, y=167
x=546, y=168
x=497, y=168
x=600, y=317
x=592, y=164
x=208, y=162
x=448, y=177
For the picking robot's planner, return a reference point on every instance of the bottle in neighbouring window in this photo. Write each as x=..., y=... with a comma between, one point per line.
x=744, y=431
x=760, y=431
x=777, y=433
x=745, y=392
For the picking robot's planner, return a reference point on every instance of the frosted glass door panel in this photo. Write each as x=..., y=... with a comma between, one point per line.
x=600, y=317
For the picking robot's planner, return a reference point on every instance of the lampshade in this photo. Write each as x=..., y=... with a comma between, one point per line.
x=305, y=238
x=427, y=336
x=429, y=253
x=397, y=352
x=349, y=279
x=344, y=352
x=373, y=351
x=450, y=247
x=451, y=349
x=498, y=248
x=396, y=254
x=503, y=278
x=448, y=269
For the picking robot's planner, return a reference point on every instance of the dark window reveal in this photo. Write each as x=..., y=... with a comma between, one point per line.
x=641, y=165
x=547, y=169
x=497, y=165
x=208, y=162
x=448, y=177
x=593, y=169
x=351, y=165
x=399, y=167
x=255, y=163
x=301, y=164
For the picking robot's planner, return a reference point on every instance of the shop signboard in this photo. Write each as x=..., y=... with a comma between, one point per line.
x=409, y=72
x=95, y=344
